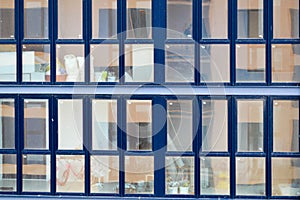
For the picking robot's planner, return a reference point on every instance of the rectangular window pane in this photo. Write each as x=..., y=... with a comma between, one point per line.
x=180, y=125
x=36, y=124
x=104, y=174
x=104, y=63
x=286, y=126
x=286, y=63
x=7, y=19
x=250, y=176
x=104, y=124
x=250, y=125
x=139, y=124
x=215, y=63
x=36, y=62
x=139, y=19
x=70, y=173
x=70, y=63
x=214, y=125
x=36, y=19
x=104, y=15
x=250, y=62
x=8, y=62
x=214, y=176
x=139, y=63
x=215, y=19
x=139, y=174
x=286, y=18
x=7, y=124
x=286, y=176
x=179, y=175
x=179, y=62
x=8, y=173
x=179, y=19
x=36, y=173
x=70, y=124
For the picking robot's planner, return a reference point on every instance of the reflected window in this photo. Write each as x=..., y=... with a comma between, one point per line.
x=8, y=173
x=7, y=19
x=7, y=124
x=8, y=62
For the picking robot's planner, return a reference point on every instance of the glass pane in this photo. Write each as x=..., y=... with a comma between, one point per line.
x=36, y=62
x=8, y=62
x=36, y=19
x=104, y=18
x=7, y=124
x=7, y=19
x=214, y=19
x=179, y=63
x=70, y=173
x=286, y=176
x=36, y=173
x=286, y=63
x=104, y=63
x=214, y=176
x=70, y=19
x=104, y=124
x=179, y=19
x=104, y=174
x=36, y=124
x=139, y=124
x=70, y=124
x=139, y=63
x=250, y=62
x=214, y=125
x=70, y=63
x=179, y=175
x=8, y=173
x=215, y=63
x=180, y=125
x=286, y=126
x=250, y=125
x=286, y=18
x=139, y=19
x=139, y=174
x=250, y=176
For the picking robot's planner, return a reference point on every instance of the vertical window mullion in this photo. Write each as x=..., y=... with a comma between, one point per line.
x=86, y=142
x=268, y=21
x=87, y=35
x=233, y=148
x=197, y=131
x=268, y=137
x=232, y=21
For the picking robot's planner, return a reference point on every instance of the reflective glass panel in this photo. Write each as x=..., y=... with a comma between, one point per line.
x=7, y=124
x=8, y=173
x=7, y=19
x=8, y=62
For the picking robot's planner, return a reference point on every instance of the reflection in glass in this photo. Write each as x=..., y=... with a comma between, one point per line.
x=214, y=63
x=36, y=124
x=179, y=19
x=179, y=125
x=179, y=175
x=70, y=63
x=70, y=19
x=286, y=63
x=139, y=124
x=250, y=125
x=139, y=18
x=214, y=176
x=7, y=19
x=70, y=173
x=214, y=125
x=214, y=19
x=36, y=19
x=104, y=124
x=139, y=62
x=250, y=63
x=286, y=176
x=8, y=173
x=70, y=124
x=104, y=18
x=286, y=126
x=286, y=18
x=104, y=63
x=250, y=176
x=8, y=62
x=36, y=62
x=179, y=62
x=104, y=174
x=7, y=124
x=36, y=173
x=139, y=174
